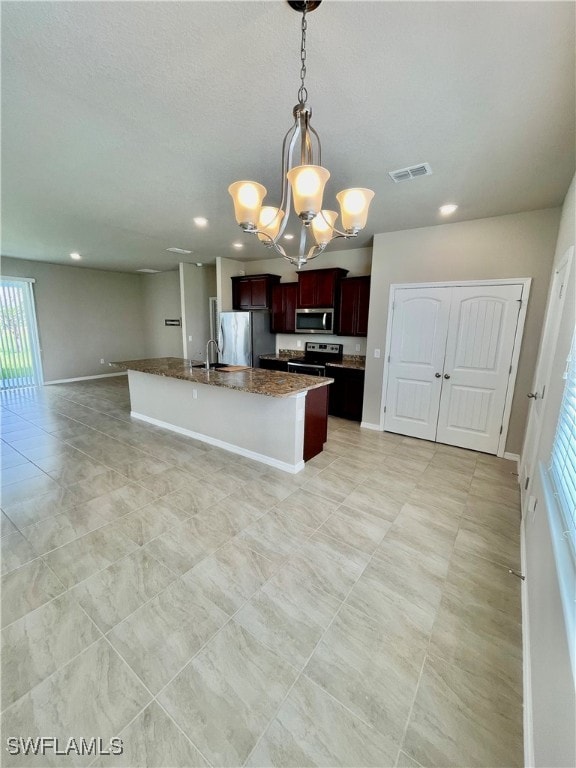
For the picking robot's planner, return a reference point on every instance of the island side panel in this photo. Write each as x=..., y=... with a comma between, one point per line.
x=316, y=422
x=269, y=429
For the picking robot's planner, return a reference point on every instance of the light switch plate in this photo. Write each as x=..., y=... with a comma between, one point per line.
x=376, y=353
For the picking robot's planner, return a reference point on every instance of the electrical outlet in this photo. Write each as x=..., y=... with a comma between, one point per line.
x=298, y=343
x=102, y=361
x=376, y=353
x=189, y=338
x=357, y=347
x=194, y=394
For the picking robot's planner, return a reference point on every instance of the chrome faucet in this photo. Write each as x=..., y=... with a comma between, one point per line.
x=218, y=351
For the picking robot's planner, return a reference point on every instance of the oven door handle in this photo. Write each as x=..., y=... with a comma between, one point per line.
x=324, y=317
x=318, y=370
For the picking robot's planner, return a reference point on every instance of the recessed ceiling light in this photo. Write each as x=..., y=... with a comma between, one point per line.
x=238, y=245
x=447, y=209
x=199, y=264
x=200, y=221
x=178, y=250
x=75, y=256
x=288, y=237
x=149, y=271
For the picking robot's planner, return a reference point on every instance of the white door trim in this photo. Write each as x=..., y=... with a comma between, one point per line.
x=549, y=336
x=526, y=283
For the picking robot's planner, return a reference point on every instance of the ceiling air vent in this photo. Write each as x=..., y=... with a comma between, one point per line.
x=412, y=172
x=178, y=250
x=149, y=271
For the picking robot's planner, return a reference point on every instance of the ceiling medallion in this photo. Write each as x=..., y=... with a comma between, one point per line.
x=302, y=185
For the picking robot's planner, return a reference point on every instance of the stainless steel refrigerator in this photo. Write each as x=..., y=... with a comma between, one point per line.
x=244, y=336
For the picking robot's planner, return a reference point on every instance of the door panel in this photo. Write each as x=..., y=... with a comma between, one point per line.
x=479, y=350
x=418, y=341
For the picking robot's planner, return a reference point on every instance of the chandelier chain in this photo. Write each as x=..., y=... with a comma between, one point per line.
x=302, y=91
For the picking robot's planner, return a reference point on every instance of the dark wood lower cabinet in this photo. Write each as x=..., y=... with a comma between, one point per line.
x=347, y=392
x=315, y=421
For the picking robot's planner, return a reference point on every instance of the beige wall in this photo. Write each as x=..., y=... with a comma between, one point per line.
x=225, y=269
x=162, y=301
x=552, y=696
x=83, y=315
x=518, y=245
x=197, y=284
x=357, y=261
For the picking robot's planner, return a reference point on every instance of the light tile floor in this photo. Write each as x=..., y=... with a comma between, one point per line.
x=212, y=611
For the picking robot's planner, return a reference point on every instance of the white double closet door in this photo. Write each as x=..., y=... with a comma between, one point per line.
x=450, y=354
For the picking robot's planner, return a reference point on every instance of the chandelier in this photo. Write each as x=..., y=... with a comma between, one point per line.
x=302, y=185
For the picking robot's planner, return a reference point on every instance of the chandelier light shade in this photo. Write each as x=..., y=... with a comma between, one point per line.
x=307, y=183
x=354, y=204
x=247, y=196
x=303, y=182
x=323, y=227
x=269, y=223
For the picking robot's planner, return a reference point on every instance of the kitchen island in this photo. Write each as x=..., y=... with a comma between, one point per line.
x=277, y=418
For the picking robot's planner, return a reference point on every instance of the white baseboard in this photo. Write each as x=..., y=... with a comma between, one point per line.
x=368, y=425
x=87, y=378
x=283, y=465
x=526, y=670
x=512, y=457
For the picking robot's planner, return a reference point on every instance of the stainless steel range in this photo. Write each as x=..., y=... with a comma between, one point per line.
x=315, y=358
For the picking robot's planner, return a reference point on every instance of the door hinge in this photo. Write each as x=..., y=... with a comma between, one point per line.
x=388, y=358
x=526, y=483
x=561, y=289
x=517, y=573
x=501, y=428
x=384, y=409
x=510, y=371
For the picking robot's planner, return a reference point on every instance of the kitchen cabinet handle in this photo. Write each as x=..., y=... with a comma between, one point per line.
x=446, y=375
x=324, y=316
x=534, y=395
x=438, y=375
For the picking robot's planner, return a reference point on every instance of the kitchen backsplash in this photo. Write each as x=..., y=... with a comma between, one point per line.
x=352, y=345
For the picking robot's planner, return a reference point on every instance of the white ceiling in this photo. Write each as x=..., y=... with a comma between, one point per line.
x=123, y=120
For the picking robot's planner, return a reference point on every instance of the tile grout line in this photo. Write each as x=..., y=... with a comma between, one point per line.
x=154, y=697
x=276, y=711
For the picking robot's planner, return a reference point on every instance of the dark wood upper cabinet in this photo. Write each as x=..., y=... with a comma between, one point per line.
x=319, y=287
x=284, y=299
x=253, y=291
x=354, y=303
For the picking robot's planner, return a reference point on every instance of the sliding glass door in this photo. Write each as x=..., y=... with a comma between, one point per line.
x=20, y=364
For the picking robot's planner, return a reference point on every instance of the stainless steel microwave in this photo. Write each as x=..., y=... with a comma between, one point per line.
x=315, y=320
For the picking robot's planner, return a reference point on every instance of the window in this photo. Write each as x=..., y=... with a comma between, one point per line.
x=563, y=461
x=20, y=364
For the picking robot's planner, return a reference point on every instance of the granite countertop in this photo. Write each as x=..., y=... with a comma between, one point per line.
x=351, y=361
x=256, y=381
x=358, y=362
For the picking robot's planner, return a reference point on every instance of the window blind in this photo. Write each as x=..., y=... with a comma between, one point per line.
x=563, y=461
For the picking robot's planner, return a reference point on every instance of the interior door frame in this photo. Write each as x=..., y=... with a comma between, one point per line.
x=549, y=334
x=525, y=282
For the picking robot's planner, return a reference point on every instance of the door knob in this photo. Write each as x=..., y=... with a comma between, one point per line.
x=438, y=375
x=446, y=375
x=535, y=395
